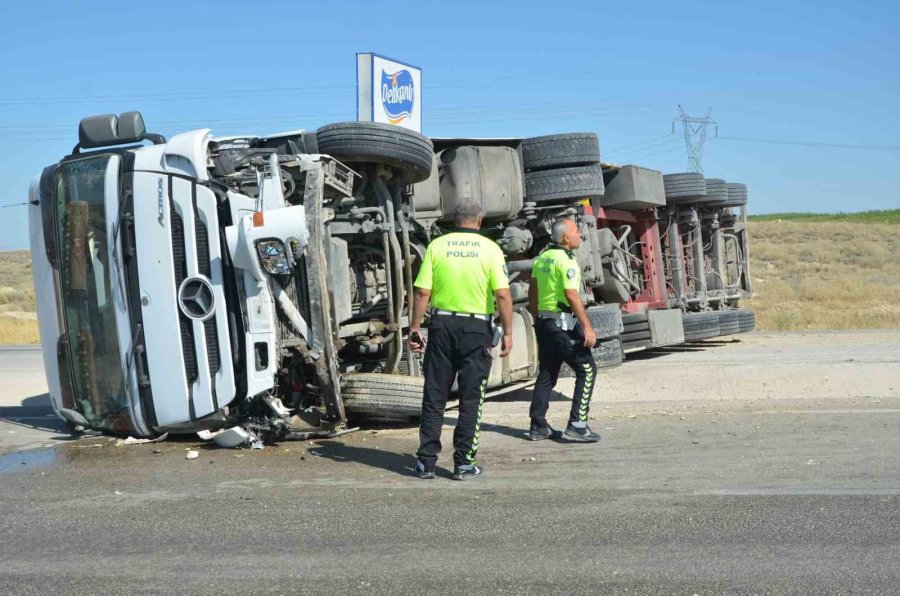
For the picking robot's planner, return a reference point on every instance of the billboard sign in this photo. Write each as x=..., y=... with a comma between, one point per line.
x=388, y=91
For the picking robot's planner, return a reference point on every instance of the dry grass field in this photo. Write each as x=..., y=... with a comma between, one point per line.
x=18, y=323
x=808, y=273
x=825, y=274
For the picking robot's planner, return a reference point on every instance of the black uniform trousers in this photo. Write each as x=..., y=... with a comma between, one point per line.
x=556, y=346
x=456, y=345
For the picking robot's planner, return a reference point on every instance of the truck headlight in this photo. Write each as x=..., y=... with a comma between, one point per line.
x=273, y=257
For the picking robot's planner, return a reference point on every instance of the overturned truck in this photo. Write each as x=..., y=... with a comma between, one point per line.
x=265, y=283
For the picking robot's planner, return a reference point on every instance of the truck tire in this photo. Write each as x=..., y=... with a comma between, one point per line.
x=716, y=191
x=684, y=188
x=737, y=191
x=746, y=320
x=700, y=325
x=560, y=151
x=728, y=322
x=610, y=354
x=737, y=195
x=607, y=354
x=606, y=320
x=373, y=396
x=564, y=185
x=409, y=153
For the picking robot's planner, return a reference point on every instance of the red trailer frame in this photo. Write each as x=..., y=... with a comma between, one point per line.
x=644, y=224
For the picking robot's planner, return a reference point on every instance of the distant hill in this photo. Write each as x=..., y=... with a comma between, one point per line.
x=888, y=216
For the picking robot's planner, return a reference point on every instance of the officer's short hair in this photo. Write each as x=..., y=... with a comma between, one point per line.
x=467, y=210
x=559, y=229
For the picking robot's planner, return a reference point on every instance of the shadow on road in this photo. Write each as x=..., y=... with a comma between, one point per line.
x=403, y=463
x=701, y=346
x=36, y=413
x=396, y=463
x=524, y=395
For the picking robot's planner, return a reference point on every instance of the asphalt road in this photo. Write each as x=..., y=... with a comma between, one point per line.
x=26, y=417
x=699, y=491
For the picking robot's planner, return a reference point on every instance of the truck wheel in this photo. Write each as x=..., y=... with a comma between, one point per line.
x=700, y=325
x=728, y=322
x=409, y=153
x=737, y=193
x=716, y=191
x=607, y=354
x=560, y=151
x=733, y=202
x=684, y=188
x=606, y=320
x=746, y=320
x=564, y=184
x=373, y=396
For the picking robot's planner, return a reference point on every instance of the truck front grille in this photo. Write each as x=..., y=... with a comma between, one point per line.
x=199, y=248
x=180, y=270
x=205, y=267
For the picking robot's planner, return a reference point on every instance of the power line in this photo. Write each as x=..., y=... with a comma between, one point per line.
x=815, y=144
x=243, y=92
x=669, y=141
x=635, y=158
x=663, y=152
x=645, y=141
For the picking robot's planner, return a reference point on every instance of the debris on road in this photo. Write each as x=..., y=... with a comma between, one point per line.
x=232, y=437
x=133, y=441
x=192, y=454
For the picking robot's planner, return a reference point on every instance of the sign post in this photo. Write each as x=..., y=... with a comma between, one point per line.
x=388, y=91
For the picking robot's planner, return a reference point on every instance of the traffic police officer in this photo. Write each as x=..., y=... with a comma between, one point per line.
x=461, y=275
x=564, y=333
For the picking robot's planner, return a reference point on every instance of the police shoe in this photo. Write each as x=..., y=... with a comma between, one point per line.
x=539, y=434
x=469, y=472
x=422, y=472
x=582, y=435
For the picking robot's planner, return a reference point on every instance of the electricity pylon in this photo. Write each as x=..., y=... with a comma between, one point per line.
x=694, y=130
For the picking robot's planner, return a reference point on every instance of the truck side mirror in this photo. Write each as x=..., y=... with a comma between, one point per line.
x=98, y=131
x=130, y=127
x=109, y=129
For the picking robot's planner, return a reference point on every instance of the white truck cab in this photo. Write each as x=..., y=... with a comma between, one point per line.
x=156, y=306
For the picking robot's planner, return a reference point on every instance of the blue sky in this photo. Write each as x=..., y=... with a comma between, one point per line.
x=822, y=72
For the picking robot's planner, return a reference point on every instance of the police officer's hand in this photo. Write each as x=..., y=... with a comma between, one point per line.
x=506, y=345
x=415, y=340
x=590, y=338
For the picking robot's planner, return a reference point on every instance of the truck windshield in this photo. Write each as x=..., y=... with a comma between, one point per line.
x=85, y=288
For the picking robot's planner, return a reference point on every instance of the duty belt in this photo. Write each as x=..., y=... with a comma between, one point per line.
x=564, y=320
x=451, y=313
